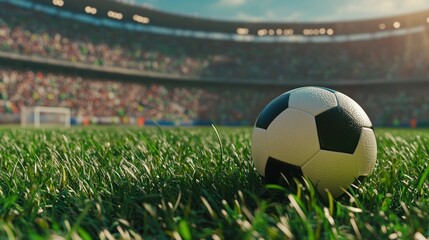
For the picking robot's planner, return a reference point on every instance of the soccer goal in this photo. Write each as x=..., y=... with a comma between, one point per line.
x=45, y=116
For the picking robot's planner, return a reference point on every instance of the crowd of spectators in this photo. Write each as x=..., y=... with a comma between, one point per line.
x=33, y=33
x=394, y=105
x=90, y=97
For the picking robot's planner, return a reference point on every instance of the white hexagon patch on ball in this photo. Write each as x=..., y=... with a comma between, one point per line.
x=314, y=132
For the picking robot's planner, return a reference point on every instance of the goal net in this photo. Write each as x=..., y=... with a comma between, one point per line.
x=45, y=116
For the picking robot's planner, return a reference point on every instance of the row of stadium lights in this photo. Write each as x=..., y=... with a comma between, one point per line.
x=321, y=31
x=111, y=14
x=287, y=32
x=306, y=32
x=383, y=26
x=395, y=25
x=240, y=31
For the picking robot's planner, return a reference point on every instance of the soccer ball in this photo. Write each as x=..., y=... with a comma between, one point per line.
x=314, y=132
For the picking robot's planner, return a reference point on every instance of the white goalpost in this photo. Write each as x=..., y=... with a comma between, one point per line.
x=45, y=116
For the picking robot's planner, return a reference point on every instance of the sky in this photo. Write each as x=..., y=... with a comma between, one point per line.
x=287, y=10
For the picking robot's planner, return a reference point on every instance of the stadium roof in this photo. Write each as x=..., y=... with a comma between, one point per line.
x=151, y=17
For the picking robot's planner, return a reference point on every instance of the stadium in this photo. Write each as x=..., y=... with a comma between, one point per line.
x=129, y=67
x=377, y=62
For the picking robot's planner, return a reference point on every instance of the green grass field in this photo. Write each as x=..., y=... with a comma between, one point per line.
x=152, y=183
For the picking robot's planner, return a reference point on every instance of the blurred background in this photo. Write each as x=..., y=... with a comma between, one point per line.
x=194, y=63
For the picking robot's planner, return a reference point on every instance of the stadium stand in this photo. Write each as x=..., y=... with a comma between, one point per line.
x=109, y=100
x=51, y=37
x=114, y=74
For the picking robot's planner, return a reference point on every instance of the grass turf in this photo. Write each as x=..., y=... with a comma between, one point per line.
x=195, y=183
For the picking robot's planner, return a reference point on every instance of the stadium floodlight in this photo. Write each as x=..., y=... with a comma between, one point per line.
x=330, y=31
x=141, y=19
x=115, y=15
x=382, y=26
x=242, y=31
x=90, y=10
x=262, y=32
x=396, y=24
x=427, y=19
x=45, y=116
x=58, y=3
x=307, y=32
x=288, y=32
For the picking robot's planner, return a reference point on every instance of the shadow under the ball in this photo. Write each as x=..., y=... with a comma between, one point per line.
x=277, y=170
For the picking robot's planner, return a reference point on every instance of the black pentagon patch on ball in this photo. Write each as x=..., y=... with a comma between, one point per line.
x=272, y=110
x=275, y=168
x=338, y=131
